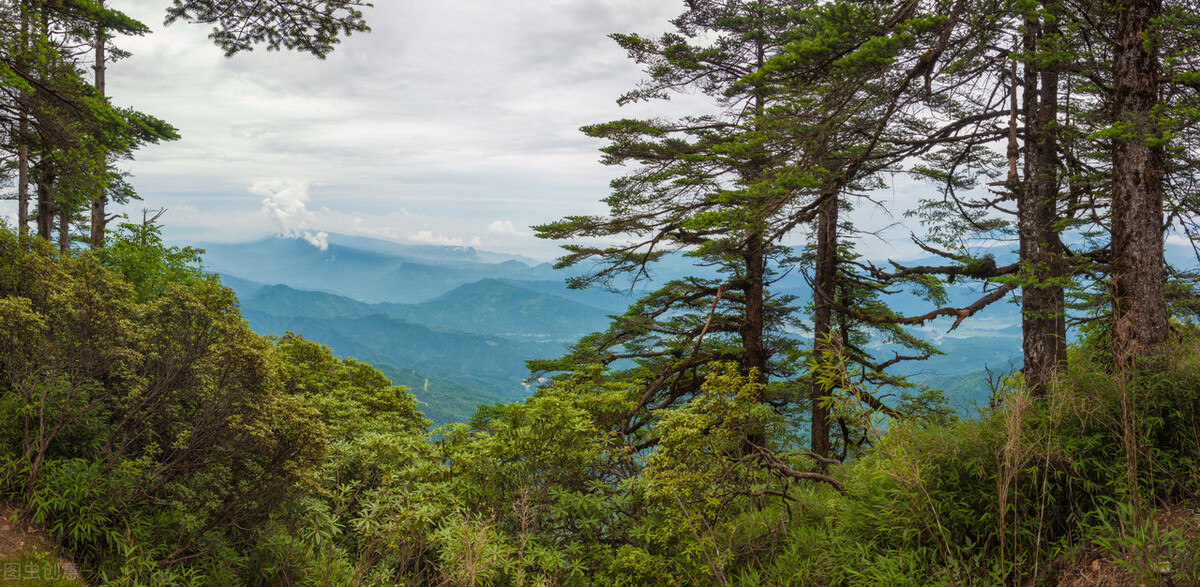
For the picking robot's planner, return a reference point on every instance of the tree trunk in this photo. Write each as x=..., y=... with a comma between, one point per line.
x=23, y=142
x=1138, y=274
x=99, y=214
x=23, y=178
x=824, y=350
x=1043, y=307
x=45, y=206
x=754, y=323
x=64, y=230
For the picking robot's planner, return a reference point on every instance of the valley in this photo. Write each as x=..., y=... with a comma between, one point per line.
x=456, y=325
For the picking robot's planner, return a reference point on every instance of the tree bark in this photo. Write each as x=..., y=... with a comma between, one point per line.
x=754, y=322
x=99, y=213
x=824, y=296
x=1138, y=273
x=1043, y=302
x=64, y=230
x=23, y=178
x=23, y=144
x=45, y=206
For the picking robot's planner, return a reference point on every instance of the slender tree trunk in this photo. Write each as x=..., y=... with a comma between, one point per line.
x=753, y=326
x=23, y=178
x=99, y=214
x=45, y=206
x=23, y=140
x=1043, y=317
x=64, y=230
x=1138, y=274
x=824, y=294
x=754, y=323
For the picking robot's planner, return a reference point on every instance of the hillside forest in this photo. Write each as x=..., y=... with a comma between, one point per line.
x=714, y=426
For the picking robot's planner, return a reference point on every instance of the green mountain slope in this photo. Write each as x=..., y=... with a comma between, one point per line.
x=281, y=300
x=492, y=306
x=441, y=401
x=487, y=364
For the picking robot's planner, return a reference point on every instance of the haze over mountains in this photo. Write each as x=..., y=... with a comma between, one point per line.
x=456, y=325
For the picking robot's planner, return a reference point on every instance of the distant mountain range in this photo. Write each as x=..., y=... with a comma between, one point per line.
x=487, y=306
x=369, y=273
x=456, y=325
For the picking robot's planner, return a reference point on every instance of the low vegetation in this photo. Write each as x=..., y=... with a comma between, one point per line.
x=159, y=441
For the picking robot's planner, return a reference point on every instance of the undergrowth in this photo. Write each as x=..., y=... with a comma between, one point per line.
x=160, y=442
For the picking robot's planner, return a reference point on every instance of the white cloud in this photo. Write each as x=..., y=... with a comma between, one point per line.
x=319, y=240
x=427, y=237
x=287, y=205
x=1178, y=240
x=504, y=228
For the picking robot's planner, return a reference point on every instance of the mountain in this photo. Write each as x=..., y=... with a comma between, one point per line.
x=456, y=324
x=281, y=300
x=379, y=272
x=440, y=400
x=967, y=393
x=435, y=253
x=488, y=364
x=244, y=288
x=488, y=306
x=962, y=355
x=491, y=306
x=611, y=302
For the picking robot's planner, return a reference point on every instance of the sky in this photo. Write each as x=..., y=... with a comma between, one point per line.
x=452, y=122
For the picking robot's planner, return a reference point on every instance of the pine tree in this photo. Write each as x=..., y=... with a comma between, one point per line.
x=702, y=191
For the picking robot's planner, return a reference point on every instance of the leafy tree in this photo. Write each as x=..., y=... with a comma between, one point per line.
x=136, y=253
x=704, y=190
x=1066, y=142
x=312, y=26
x=61, y=128
x=145, y=434
x=848, y=83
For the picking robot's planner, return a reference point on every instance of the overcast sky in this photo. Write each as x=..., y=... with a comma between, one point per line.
x=452, y=122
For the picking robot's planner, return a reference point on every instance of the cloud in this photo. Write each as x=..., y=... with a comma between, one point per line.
x=287, y=205
x=319, y=240
x=427, y=237
x=412, y=117
x=504, y=228
x=1178, y=240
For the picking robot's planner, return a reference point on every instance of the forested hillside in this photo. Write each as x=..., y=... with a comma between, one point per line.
x=763, y=409
x=527, y=311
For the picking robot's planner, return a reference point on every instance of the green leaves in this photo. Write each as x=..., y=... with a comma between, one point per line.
x=309, y=26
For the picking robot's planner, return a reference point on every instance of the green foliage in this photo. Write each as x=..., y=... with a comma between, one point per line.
x=144, y=435
x=136, y=253
x=41, y=569
x=310, y=27
x=160, y=442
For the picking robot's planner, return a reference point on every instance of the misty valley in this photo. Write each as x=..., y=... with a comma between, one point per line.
x=456, y=325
